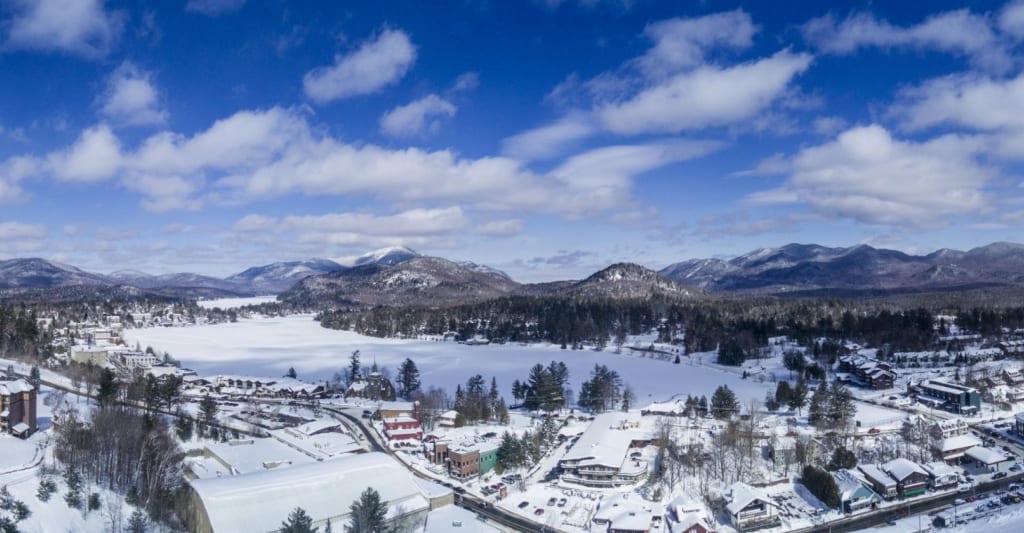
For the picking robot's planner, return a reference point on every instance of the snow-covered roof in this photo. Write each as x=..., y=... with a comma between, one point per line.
x=985, y=455
x=939, y=469
x=741, y=495
x=959, y=442
x=877, y=475
x=16, y=386
x=454, y=519
x=397, y=406
x=605, y=442
x=256, y=455
x=261, y=501
x=20, y=428
x=901, y=468
x=848, y=483
x=449, y=415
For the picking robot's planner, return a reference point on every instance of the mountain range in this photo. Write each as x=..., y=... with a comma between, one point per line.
x=400, y=276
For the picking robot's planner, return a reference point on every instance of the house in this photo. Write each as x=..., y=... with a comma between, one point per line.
x=954, y=448
x=402, y=428
x=867, y=372
x=1019, y=424
x=945, y=429
x=447, y=419
x=17, y=408
x=375, y=387
x=911, y=479
x=749, y=508
x=950, y=396
x=390, y=409
x=96, y=355
x=688, y=516
x=854, y=492
x=469, y=461
x=692, y=523
x=882, y=483
x=628, y=513
x=941, y=475
x=990, y=459
x=607, y=454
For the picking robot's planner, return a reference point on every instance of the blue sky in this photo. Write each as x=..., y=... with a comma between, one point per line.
x=544, y=137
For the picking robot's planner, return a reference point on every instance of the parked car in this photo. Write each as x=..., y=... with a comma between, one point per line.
x=538, y=512
x=524, y=504
x=552, y=501
x=562, y=502
x=999, y=475
x=958, y=501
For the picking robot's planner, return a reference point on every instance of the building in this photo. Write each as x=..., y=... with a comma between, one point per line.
x=749, y=508
x=389, y=409
x=464, y=461
x=375, y=387
x=881, y=482
x=949, y=428
x=854, y=492
x=941, y=475
x=950, y=396
x=628, y=513
x=954, y=448
x=447, y=419
x=990, y=459
x=17, y=408
x=246, y=456
x=402, y=428
x=607, y=454
x=131, y=360
x=90, y=354
x=911, y=479
x=867, y=372
x=1019, y=421
x=259, y=502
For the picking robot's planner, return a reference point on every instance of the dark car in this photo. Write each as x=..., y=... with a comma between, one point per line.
x=999, y=475
x=538, y=512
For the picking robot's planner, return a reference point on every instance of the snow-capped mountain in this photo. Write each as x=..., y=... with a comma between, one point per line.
x=34, y=272
x=391, y=255
x=629, y=280
x=810, y=267
x=277, y=277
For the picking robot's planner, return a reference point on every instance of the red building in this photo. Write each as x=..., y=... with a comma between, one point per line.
x=17, y=408
x=402, y=428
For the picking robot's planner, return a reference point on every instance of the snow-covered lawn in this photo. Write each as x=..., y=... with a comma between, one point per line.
x=269, y=346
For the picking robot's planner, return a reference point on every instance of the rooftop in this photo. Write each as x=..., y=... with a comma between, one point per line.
x=607, y=440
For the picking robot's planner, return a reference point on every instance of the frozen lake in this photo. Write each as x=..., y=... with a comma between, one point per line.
x=269, y=346
x=231, y=303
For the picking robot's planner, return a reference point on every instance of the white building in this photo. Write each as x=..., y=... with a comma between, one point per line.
x=259, y=502
x=608, y=453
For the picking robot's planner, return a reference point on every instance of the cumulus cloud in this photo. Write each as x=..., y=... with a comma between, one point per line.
x=973, y=101
x=417, y=117
x=957, y=32
x=377, y=63
x=1011, y=19
x=212, y=8
x=466, y=82
x=707, y=96
x=683, y=42
x=131, y=99
x=256, y=155
x=79, y=27
x=868, y=176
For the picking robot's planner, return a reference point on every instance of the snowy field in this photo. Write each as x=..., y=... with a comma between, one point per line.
x=231, y=303
x=269, y=346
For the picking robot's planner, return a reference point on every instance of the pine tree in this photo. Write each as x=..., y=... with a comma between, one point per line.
x=106, y=391
x=34, y=377
x=368, y=513
x=798, y=396
x=208, y=408
x=291, y=373
x=408, y=378
x=353, y=367
x=298, y=522
x=327, y=527
x=137, y=522
x=723, y=403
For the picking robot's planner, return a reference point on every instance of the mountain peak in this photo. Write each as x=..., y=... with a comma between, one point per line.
x=390, y=255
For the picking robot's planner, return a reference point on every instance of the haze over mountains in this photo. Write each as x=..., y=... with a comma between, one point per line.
x=400, y=276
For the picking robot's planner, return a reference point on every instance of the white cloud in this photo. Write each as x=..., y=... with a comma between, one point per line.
x=466, y=82
x=414, y=227
x=10, y=231
x=131, y=98
x=12, y=172
x=551, y=140
x=976, y=102
x=500, y=228
x=213, y=8
x=95, y=156
x=417, y=117
x=1011, y=19
x=376, y=64
x=683, y=42
x=958, y=32
x=706, y=96
x=80, y=27
x=868, y=176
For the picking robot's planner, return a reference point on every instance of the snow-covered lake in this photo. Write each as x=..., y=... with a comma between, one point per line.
x=269, y=346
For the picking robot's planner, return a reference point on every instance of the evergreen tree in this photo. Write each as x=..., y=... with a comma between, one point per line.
x=840, y=405
x=408, y=378
x=368, y=513
x=298, y=522
x=291, y=373
x=327, y=527
x=842, y=458
x=821, y=484
x=723, y=403
x=208, y=409
x=702, y=405
x=770, y=403
x=783, y=393
x=34, y=377
x=353, y=367
x=817, y=410
x=106, y=391
x=798, y=396
x=137, y=522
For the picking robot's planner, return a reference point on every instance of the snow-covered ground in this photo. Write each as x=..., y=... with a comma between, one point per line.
x=231, y=303
x=269, y=346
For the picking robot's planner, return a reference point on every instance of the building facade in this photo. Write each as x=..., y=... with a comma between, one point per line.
x=17, y=408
